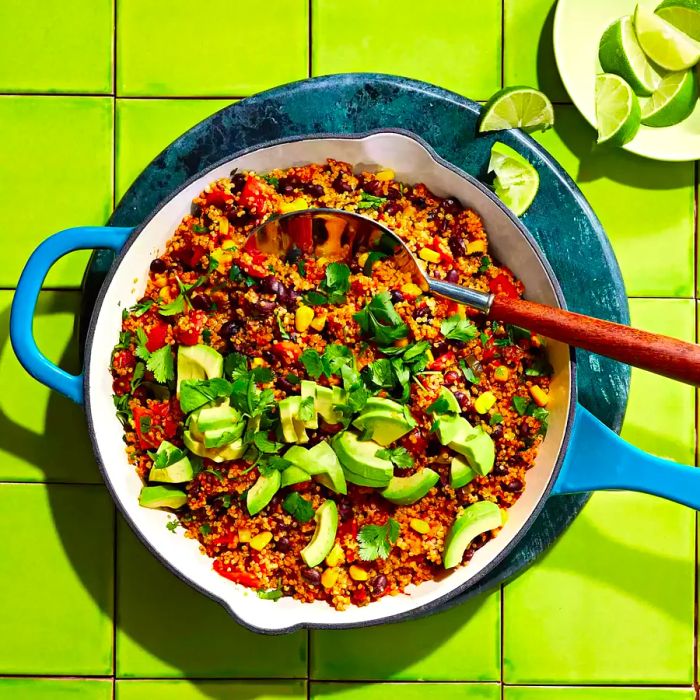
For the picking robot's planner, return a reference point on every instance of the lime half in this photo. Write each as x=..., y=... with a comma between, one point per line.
x=517, y=107
x=663, y=43
x=516, y=181
x=682, y=14
x=619, y=52
x=617, y=110
x=672, y=101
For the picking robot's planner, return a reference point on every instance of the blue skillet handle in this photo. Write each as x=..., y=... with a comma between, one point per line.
x=597, y=459
x=27, y=295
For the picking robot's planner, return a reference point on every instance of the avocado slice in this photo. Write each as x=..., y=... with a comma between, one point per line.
x=377, y=403
x=262, y=491
x=162, y=496
x=472, y=521
x=479, y=449
x=404, y=490
x=293, y=475
x=308, y=390
x=353, y=478
x=323, y=538
x=326, y=467
x=460, y=472
x=326, y=398
x=385, y=427
x=234, y=450
x=198, y=362
x=223, y=436
x=450, y=428
x=359, y=460
x=452, y=403
x=292, y=428
x=215, y=417
x=177, y=472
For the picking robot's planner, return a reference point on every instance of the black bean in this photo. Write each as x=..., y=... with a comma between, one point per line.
x=314, y=190
x=373, y=187
x=294, y=180
x=392, y=208
x=271, y=285
x=293, y=255
x=422, y=312
x=283, y=544
x=286, y=386
x=396, y=296
x=237, y=182
x=440, y=348
x=433, y=448
x=393, y=193
x=458, y=247
x=264, y=307
x=514, y=486
x=419, y=202
x=377, y=585
x=200, y=302
x=464, y=399
x=340, y=185
x=312, y=576
x=452, y=276
x=451, y=205
x=500, y=470
x=158, y=265
x=230, y=329
x=497, y=431
x=345, y=509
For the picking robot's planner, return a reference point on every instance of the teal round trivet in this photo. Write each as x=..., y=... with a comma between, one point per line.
x=560, y=219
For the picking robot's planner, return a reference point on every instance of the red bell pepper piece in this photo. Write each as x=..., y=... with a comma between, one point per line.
x=501, y=284
x=154, y=424
x=189, y=327
x=124, y=359
x=237, y=576
x=439, y=363
x=190, y=255
x=286, y=350
x=253, y=196
x=218, y=198
x=156, y=336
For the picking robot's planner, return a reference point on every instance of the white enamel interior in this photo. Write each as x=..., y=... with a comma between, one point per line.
x=412, y=163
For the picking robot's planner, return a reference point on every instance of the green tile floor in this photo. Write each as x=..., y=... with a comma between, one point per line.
x=85, y=611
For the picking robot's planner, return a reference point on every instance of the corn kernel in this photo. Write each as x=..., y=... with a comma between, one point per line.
x=298, y=204
x=335, y=556
x=504, y=516
x=164, y=294
x=261, y=541
x=401, y=342
x=244, y=535
x=484, y=402
x=319, y=322
x=357, y=573
x=223, y=226
x=228, y=244
x=476, y=247
x=501, y=373
x=257, y=362
x=362, y=259
x=303, y=317
x=411, y=290
x=160, y=281
x=539, y=396
x=385, y=174
x=429, y=255
x=420, y=526
x=462, y=311
x=329, y=577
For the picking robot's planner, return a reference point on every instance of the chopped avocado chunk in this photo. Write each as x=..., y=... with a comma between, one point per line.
x=324, y=535
x=262, y=491
x=353, y=478
x=292, y=428
x=234, y=450
x=385, y=427
x=215, y=417
x=450, y=428
x=308, y=391
x=460, y=472
x=360, y=461
x=377, y=403
x=452, y=403
x=330, y=473
x=404, y=490
x=223, y=436
x=293, y=475
x=479, y=450
x=162, y=496
x=472, y=521
x=198, y=362
x=176, y=467
x=326, y=398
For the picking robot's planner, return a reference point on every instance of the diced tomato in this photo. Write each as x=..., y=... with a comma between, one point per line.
x=156, y=336
x=286, y=351
x=255, y=267
x=439, y=363
x=189, y=255
x=359, y=595
x=189, y=327
x=121, y=385
x=237, y=576
x=347, y=527
x=154, y=424
x=227, y=538
x=124, y=359
x=218, y=198
x=437, y=245
x=253, y=196
x=501, y=284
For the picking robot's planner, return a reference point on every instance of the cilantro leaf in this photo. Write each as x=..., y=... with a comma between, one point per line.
x=172, y=525
x=195, y=393
x=468, y=373
x=274, y=593
x=137, y=377
x=307, y=409
x=269, y=463
x=457, y=328
x=235, y=366
x=177, y=306
x=372, y=257
x=140, y=309
x=264, y=444
x=298, y=507
x=439, y=406
x=542, y=415
x=167, y=455
x=161, y=364
x=381, y=373
x=333, y=288
x=495, y=419
x=398, y=455
x=221, y=438
x=335, y=357
x=376, y=540
x=485, y=263
x=312, y=362
x=520, y=404
x=379, y=320
x=370, y=201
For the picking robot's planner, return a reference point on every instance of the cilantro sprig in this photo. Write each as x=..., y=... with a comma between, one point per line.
x=457, y=328
x=298, y=507
x=376, y=540
x=333, y=288
x=397, y=455
x=379, y=321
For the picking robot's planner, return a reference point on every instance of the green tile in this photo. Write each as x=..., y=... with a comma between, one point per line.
x=36, y=423
x=166, y=628
x=48, y=46
x=146, y=127
x=431, y=648
x=55, y=172
x=560, y=693
x=55, y=689
x=528, y=55
x=210, y=690
x=56, y=588
x=406, y=691
x=229, y=48
x=456, y=45
x=646, y=207
x=612, y=602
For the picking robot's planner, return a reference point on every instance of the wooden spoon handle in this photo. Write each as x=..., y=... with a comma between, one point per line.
x=657, y=353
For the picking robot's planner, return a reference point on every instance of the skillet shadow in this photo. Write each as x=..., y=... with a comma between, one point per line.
x=596, y=162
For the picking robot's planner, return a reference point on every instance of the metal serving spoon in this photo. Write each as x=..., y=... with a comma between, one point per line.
x=341, y=235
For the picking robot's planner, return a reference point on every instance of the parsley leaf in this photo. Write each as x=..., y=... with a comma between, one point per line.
x=312, y=362
x=457, y=328
x=195, y=393
x=161, y=364
x=376, y=540
x=379, y=320
x=520, y=404
x=298, y=507
x=398, y=455
x=369, y=201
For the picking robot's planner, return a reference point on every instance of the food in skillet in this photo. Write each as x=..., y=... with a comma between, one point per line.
x=324, y=429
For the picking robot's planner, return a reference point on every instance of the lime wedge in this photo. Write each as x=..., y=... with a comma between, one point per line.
x=617, y=110
x=663, y=43
x=619, y=52
x=517, y=107
x=682, y=14
x=516, y=181
x=672, y=101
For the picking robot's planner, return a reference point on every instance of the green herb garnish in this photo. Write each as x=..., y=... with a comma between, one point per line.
x=141, y=308
x=520, y=404
x=298, y=507
x=457, y=328
x=160, y=362
x=495, y=419
x=333, y=288
x=272, y=594
x=380, y=322
x=369, y=201
x=376, y=540
x=397, y=455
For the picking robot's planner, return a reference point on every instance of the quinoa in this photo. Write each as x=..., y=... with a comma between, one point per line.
x=209, y=288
